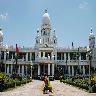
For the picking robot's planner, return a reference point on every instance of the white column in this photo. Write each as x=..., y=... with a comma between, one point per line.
x=22, y=70
x=80, y=57
x=11, y=68
x=52, y=57
x=31, y=71
x=69, y=70
x=39, y=54
x=19, y=70
x=48, y=69
x=5, y=56
x=68, y=56
x=7, y=69
x=83, y=70
x=30, y=56
x=27, y=56
x=12, y=57
x=38, y=69
x=43, y=54
x=26, y=70
x=72, y=70
x=52, y=69
x=65, y=56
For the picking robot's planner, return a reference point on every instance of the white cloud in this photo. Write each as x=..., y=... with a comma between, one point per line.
x=83, y=5
x=3, y=16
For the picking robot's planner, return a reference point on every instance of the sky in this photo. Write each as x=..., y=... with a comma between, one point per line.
x=71, y=19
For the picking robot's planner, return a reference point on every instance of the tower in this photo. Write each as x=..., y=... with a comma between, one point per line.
x=37, y=44
x=1, y=37
x=44, y=37
x=91, y=40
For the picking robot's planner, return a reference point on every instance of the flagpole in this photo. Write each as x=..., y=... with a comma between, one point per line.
x=16, y=58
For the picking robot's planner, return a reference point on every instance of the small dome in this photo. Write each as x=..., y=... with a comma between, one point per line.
x=1, y=33
x=46, y=18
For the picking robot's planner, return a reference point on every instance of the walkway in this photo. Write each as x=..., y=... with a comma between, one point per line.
x=61, y=89
x=35, y=89
x=30, y=89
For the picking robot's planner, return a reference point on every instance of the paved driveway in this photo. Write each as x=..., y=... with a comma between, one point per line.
x=30, y=89
x=35, y=89
x=61, y=89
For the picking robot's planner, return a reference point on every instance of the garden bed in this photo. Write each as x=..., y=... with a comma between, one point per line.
x=81, y=83
x=7, y=82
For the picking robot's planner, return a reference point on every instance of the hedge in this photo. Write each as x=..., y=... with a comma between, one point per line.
x=9, y=82
x=81, y=83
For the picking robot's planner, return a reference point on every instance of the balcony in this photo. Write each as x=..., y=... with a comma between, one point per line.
x=44, y=60
x=20, y=61
x=71, y=62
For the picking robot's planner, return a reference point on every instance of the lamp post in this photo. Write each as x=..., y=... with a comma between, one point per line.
x=78, y=55
x=89, y=55
x=66, y=65
x=6, y=56
x=31, y=69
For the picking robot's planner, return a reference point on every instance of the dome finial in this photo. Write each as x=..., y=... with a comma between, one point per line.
x=45, y=10
x=91, y=29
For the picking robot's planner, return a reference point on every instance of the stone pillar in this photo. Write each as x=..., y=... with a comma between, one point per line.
x=83, y=70
x=5, y=56
x=80, y=57
x=26, y=69
x=39, y=70
x=27, y=56
x=69, y=70
x=30, y=56
x=7, y=69
x=68, y=56
x=52, y=56
x=11, y=68
x=65, y=56
x=52, y=69
x=72, y=70
x=19, y=70
x=12, y=57
x=48, y=69
x=39, y=54
x=22, y=70
x=43, y=54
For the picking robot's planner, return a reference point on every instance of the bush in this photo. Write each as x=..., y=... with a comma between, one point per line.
x=77, y=82
x=9, y=82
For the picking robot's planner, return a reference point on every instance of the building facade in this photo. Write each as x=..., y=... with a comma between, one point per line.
x=46, y=57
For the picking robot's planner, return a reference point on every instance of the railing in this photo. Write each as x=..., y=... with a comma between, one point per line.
x=71, y=62
x=44, y=60
x=20, y=61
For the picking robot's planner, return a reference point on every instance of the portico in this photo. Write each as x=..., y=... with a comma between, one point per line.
x=46, y=67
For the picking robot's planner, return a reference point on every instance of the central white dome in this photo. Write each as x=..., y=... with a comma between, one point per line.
x=46, y=18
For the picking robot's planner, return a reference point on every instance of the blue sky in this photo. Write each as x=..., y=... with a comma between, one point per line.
x=71, y=19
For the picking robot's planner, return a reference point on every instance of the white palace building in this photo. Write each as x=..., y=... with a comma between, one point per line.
x=46, y=57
